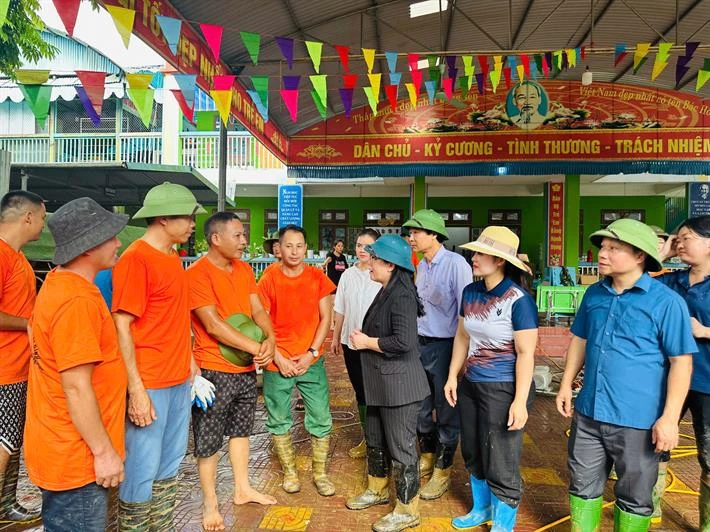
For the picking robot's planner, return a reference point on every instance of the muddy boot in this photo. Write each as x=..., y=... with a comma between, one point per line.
x=658, y=490
x=360, y=450
x=585, y=514
x=628, y=522
x=133, y=516
x=439, y=482
x=406, y=511
x=161, y=509
x=10, y=509
x=503, y=515
x=481, y=512
x=378, y=482
x=427, y=452
x=321, y=446
x=704, y=503
x=287, y=456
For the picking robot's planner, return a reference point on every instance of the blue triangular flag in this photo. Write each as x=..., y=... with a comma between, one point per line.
x=186, y=84
x=430, y=90
x=395, y=78
x=512, y=63
x=171, y=31
x=391, y=60
x=263, y=109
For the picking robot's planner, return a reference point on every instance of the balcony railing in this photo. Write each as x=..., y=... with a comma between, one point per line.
x=243, y=152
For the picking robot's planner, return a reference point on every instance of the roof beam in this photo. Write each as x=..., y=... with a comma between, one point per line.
x=479, y=28
x=449, y=24
x=596, y=22
x=378, y=40
x=516, y=34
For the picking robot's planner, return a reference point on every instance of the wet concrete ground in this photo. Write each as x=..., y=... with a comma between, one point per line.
x=544, y=505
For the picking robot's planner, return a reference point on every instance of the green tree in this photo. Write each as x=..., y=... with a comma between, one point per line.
x=20, y=37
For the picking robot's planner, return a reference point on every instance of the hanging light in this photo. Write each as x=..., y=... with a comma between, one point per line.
x=587, y=77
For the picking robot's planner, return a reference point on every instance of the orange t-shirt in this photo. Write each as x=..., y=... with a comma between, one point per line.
x=229, y=292
x=71, y=326
x=18, y=291
x=292, y=303
x=152, y=286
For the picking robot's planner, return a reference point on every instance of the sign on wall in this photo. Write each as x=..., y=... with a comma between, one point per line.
x=698, y=199
x=290, y=205
x=555, y=223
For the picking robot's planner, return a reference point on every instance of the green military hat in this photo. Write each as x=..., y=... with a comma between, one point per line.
x=429, y=220
x=245, y=325
x=169, y=199
x=636, y=234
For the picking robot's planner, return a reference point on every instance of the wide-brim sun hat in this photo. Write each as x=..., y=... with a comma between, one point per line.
x=392, y=249
x=636, y=234
x=245, y=325
x=81, y=225
x=499, y=242
x=169, y=199
x=429, y=220
x=661, y=233
x=270, y=241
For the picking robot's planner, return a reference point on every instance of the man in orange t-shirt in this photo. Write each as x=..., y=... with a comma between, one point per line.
x=297, y=297
x=151, y=310
x=222, y=285
x=76, y=401
x=21, y=220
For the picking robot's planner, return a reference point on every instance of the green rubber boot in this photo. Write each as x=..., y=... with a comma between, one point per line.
x=628, y=522
x=704, y=503
x=585, y=514
x=133, y=516
x=658, y=490
x=161, y=509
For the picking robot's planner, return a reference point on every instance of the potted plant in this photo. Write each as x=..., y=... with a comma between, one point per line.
x=201, y=247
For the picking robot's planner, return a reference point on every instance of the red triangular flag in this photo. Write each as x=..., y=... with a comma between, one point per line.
x=290, y=98
x=483, y=62
x=583, y=52
x=413, y=60
x=188, y=111
x=68, y=10
x=506, y=73
x=391, y=91
x=349, y=81
x=213, y=36
x=525, y=60
x=343, y=52
x=448, y=84
x=416, y=79
x=93, y=83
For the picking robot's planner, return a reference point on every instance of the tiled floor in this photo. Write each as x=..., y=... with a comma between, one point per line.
x=544, y=505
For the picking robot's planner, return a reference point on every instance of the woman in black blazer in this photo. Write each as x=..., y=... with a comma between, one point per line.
x=395, y=385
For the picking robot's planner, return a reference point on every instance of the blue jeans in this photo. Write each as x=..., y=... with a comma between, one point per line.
x=155, y=452
x=436, y=357
x=84, y=509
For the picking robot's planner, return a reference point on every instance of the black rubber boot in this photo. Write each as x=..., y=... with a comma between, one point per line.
x=441, y=477
x=406, y=512
x=377, y=491
x=427, y=452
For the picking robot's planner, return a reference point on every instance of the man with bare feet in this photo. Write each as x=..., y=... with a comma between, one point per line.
x=221, y=285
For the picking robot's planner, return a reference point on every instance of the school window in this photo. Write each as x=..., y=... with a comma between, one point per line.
x=510, y=218
x=388, y=222
x=271, y=221
x=332, y=226
x=608, y=215
x=244, y=216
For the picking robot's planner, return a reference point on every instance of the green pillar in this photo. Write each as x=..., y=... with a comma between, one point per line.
x=417, y=194
x=571, y=233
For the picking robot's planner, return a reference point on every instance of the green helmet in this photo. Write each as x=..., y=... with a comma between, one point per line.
x=169, y=199
x=430, y=220
x=636, y=234
x=245, y=325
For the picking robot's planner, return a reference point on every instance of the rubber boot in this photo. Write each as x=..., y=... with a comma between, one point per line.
x=441, y=477
x=161, y=509
x=321, y=446
x=628, y=522
x=360, y=450
x=10, y=509
x=585, y=514
x=481, y=512
x=406, y=511
x=378, y=482
x=658, y=490
x=287, y=456
x=133, y=516
x=427, y=452
x=704, y=503
x=503, y=515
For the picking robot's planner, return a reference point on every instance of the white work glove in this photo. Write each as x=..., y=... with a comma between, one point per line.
x=202, y=393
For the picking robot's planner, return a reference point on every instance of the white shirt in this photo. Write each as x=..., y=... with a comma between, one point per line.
x=354, y=296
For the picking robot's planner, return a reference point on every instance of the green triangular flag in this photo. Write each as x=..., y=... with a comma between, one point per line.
x=143, y=101
x=319, y=104
x=261, y=86
x=463, y=85
x=703, y=74
x=252, y=41
x=4, y=5
x=37, y=98
x=433, y=60
x=314, y=50
x=205, y=120
x=435, y=76
x=371, y=99
x=319, y=84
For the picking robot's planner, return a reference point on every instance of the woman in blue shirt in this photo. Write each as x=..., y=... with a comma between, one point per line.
x=692, y=245
x=496, y=339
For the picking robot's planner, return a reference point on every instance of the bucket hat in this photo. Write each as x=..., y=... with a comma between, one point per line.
x=81, y=225
x=430, y=220
x=500, y=242
x=245, y=325
x=659, y=232
x=169, y=199
x=270, y=241
x=636, y=234
x=393, y=249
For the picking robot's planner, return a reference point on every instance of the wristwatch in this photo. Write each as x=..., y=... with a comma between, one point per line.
x=313, y=352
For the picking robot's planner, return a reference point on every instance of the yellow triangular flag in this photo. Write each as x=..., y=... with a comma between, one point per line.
x=521, y=73
x=371, y=99
x=223, y=102
x=139, y=81
x=571, y=57
x=32, y=77
x=369, y=54
x=375, y=80
x=657, y=69
x=497, y=61
x=412, y=90
x=123, y=19
x=642, y=49
x=495, y=79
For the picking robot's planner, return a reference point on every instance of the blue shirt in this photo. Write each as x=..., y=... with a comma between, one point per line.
x=698, y=299
x=440, y=285
x=490, y=319
x=104, y=283
x=629, y=339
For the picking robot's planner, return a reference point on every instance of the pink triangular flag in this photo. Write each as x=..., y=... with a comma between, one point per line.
x=213, y=36
x=417, y=79
x=68, y=10
x=223, y=83
x=188, y=111
x=290, y=98
x=413, y=60
x=448, y=84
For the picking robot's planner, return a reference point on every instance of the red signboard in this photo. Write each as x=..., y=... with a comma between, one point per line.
x=555, y=223
x=195, y=57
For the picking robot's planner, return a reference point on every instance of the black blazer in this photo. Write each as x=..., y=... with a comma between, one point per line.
x=396, y=376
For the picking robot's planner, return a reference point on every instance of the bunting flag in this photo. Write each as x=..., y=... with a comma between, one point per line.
x=261, y=86
x=448, y=86
x=451, y=63
x=463, y=86
x=32, y=77
x=315, y=50
x=703, y=74
x=430, y=87
x=395, y=78
x=495, y=79
x=291, y=82
x=223, y=103
x=435, y=75
x=583, y=52
x=37, y=98
x=681, y=68
x=321, y=87
x=525, y=60
x=319, y=104
x=290, y=98
x=432, y=60
x=571, y=58
x=204, y=120
x=640, y=54
x=512, y=62
x=546, y=63
x=391, y=92
x=92, y=86
x=416, y=76
x=186, y=83
x=559, y=57
x=4, y=6
x=261, y=106
x=453, y=73
x=223, y=83
x=369, y=55
x=619, y=53
x=346, y=96
x=344, y=54
x=391, y=61
x=662, y=57
x=252, y=42
x=188, y=110
x=371, y=99
x=375, y=81
x=413, y=95
x=349, y=81
x=171, y=31
x=143, y=101
x=123, y=19
x=507, y=74
x=413, y=61
x=481, y=82
x=286, y=47
x=213, y=36
x=139, y=81
x=86, y=102
x=483, y=63
x=68, y=11
x=538, y=62
x=468, y=68
x=521, y=73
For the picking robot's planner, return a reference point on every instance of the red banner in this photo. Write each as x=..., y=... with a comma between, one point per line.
x=195, y=57
x=555, y=223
